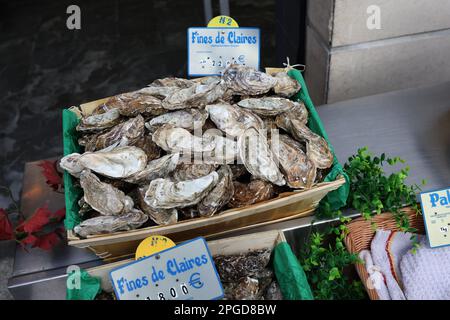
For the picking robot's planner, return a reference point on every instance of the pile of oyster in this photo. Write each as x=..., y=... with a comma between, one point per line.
x=180, y=149
x=248, y=276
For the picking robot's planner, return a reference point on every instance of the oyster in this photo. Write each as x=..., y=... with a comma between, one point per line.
x=172, y=82
x=103, y=197
x=246, y=289
x=234, y=267
x=225, y=149
x=101, y=121
x=150, y=148
x=196, y=96
x=267, y=106
x=258, y=158
x=317, y=148
x=273, y=292
x=246, y=194
x=124, y=134
x=165, y=194
x=158, y=168
x=298, y=169
x=71, y=163
x=159, y=216
x=108, y=224
x=286, y=86
x=193, y=171
x=120, y=162
x=186, y=119
x=172, y=139
x=189, y=212
x=298, y=112
x=238, y=170
x=242, y=80
x=220, y=195
x=134, y=103
x=233, y=120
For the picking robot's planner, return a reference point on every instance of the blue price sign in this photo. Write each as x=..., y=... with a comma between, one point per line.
x=184, y=272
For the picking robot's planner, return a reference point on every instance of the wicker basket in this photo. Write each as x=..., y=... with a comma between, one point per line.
x=361, y=233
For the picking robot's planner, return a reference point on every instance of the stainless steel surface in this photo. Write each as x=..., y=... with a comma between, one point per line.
x=412, y=124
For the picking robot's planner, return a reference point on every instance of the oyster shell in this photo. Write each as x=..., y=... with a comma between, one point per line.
x=298, y=169
x=234, y=267
x=225, y=150
x=317, y=148
x=286, y=86
x=233, y=120
x=242, y=80
x=124, y=134
x=150, y=148
x=172, y=139
x=238, y=170
x=159, y=216
x=158, y=168
x=258, y=158
x=103, y=197
x=186, y=119
x=193, y=171
x=165, y=194
x=198, y=95
x=298, y=112
x=71, y=163
x=120, y=162
x=273, y=292
x=246, y=289
x=101, y=121
x=267, y=106
x=172, y=82
x=137, y=102
x=108, y=224
x=246, y=194
x=220, y=195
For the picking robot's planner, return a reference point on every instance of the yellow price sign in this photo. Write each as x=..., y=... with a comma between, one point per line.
x=152, y=245
x=223, y=22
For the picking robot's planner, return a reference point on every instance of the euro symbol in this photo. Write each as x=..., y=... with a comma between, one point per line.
x=194, y=281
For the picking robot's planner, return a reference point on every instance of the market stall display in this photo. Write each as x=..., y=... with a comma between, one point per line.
x=137, y=168
x=251, y=267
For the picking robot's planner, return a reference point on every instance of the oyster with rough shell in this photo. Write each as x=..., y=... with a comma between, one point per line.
x=159, y=216
x=242, y=80
x=71, y=163
x=166, y=194
x=220, y=195
x=267, y=106
x=233, y=120
x=298, y=112
x=97, y=122
x=225, y=149
x=125, y=134
x=150, y=148
x=172, y=139
x=103, y=197
x=246, y=194
x=317, y=148
x=134, y=103
x=258, y=158
x=189, y=119
x=158, y=168
x=180, y=83
x=191, y=171
x=119, y=162
x=286, y=86
x=109, y=224
x=298, y=169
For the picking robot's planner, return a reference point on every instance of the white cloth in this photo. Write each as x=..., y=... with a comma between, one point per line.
x=426, y=273
x=376, y=278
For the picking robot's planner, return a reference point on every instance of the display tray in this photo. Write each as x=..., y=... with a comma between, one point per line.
x=286, y=206
x=292, y=289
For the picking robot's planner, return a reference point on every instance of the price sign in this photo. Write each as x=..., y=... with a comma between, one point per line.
x=436, y=213
x=211, y=50
x=184, y=272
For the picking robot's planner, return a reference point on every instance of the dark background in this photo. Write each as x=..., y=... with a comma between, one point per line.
x=122, y=46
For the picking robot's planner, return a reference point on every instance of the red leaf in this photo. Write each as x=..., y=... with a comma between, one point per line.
x=38, y=220
x=47, y=241
x=53, y=176
x=6, y=229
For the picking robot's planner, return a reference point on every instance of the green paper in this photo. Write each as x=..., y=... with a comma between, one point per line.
x=71, y=192
x=290, y=275
x=337, y=198
x=89, y=286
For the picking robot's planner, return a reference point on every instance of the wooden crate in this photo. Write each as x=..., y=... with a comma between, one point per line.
x=227, y=246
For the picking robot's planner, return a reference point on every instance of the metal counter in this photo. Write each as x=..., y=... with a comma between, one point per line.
x=413, y=124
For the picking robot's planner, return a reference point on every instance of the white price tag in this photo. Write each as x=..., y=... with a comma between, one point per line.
x=211, y=50
x=436, y=213
x=184, y=272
